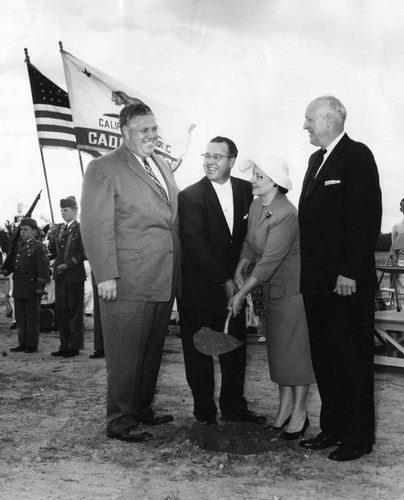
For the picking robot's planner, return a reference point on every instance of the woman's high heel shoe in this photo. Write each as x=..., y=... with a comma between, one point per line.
x=275, y=428
x=290, y=436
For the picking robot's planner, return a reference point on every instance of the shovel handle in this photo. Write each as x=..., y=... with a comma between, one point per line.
x=226, y=324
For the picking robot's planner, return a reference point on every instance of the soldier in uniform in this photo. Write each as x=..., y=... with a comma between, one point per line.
x=66, y=247
x=30, y=268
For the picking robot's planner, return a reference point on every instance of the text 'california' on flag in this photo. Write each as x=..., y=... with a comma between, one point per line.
x=96, y=100
x=53, y=116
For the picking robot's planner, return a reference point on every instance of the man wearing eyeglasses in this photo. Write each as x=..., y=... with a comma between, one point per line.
x=213, y=223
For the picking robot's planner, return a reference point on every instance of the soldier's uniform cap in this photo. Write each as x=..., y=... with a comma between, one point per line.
x=69, y=202
x=28, y=221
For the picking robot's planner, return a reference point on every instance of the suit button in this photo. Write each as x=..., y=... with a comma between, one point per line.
x=170, y=251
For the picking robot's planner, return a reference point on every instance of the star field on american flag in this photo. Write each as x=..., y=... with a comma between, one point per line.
x=53, y=115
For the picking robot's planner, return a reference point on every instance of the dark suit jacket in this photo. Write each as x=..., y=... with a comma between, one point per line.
x=66, y=247
x=340, y=218
x=30, y=269
x=210, y=251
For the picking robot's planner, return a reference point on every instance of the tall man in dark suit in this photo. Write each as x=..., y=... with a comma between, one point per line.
x=340, y=215
x=129, y=220
x=213, y=224
x=66, y=248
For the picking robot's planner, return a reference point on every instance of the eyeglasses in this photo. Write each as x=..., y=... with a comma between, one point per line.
x=208, y=157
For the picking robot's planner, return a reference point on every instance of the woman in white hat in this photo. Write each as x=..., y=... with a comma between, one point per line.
x=271, y=256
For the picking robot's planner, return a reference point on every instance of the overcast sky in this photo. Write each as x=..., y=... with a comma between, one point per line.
x=242, y=68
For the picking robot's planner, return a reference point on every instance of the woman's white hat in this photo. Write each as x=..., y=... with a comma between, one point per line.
x=273, y=166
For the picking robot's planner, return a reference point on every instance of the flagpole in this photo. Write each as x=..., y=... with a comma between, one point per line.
x=27, y=60
x=81, y=163
x=47, y=184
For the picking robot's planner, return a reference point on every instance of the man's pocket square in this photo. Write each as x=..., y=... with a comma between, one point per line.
x=245, y=216
x=329, y=183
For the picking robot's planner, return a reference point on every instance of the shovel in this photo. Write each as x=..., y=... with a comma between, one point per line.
x=212, y=343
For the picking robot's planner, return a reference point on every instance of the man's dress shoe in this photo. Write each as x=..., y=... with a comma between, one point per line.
x=320, y=442
x=31, y=348
x=20, y=348
x=347, y=453
x=132, y=434
x=244, y=416
x=99, y=353
x=70, y=353
x=156, y=419
x=57, y=353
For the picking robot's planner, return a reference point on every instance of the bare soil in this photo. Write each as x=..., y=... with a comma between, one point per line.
x=53, y=443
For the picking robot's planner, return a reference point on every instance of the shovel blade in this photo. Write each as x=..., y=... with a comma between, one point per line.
x=212, y=343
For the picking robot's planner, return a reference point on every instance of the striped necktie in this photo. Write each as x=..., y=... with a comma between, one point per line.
x=149, y=170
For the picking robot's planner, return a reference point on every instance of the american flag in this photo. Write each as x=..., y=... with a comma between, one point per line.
x=54, y=122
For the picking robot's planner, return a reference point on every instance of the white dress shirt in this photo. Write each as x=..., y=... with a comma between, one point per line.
x=225, y=194
x=330, y=147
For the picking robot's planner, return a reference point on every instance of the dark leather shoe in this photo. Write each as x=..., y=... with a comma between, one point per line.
x=156, y=419
x=132, y=434
x=347, y=453
x=31, y=348
x=290, y=436
x=70, y=353
x=275, y=428
x=20, y=348
x=244, y=416
x=57, y=353
x=208, y=421
x=99, y=353
x=320, y=442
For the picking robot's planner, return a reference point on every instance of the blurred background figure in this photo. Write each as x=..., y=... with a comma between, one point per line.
x=397, y=230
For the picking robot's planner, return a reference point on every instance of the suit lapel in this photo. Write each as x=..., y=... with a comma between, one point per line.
x=213, y=201
x=330, y=161
x=170, y=183
x=134, y=165
x=238, y=206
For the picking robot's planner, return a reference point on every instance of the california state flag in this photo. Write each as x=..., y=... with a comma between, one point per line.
x=96, y=100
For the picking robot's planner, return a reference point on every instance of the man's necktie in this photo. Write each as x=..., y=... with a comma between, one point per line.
x=314, y=169
x=149, y=170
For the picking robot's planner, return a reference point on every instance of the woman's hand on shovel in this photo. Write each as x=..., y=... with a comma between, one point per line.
x=236, y=303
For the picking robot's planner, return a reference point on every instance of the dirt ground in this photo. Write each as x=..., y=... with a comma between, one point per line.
x=53, y=443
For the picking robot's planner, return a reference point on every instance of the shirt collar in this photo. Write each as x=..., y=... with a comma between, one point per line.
x=225, y=187
x=331, y=146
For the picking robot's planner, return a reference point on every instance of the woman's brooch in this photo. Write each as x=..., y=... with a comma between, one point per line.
x=268, y=213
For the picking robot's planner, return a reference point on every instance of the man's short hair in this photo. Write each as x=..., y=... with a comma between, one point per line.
x=233, y=151
x=334, y=104
x=28, y=221
x=131, y=111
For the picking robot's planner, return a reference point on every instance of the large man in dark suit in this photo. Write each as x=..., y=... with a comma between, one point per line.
x=340, y=216
x=130, y=232
x=213, y=224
